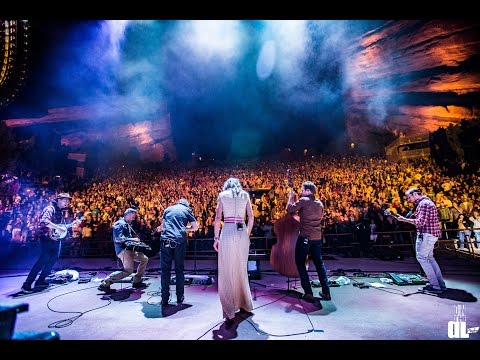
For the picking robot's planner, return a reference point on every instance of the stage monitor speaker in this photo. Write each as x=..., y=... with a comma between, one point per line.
x=253, y=267
x=8, y=317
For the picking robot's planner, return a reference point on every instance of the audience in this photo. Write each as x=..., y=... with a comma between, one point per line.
x=352, y=188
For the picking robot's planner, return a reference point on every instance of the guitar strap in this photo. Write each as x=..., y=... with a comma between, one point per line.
x=58, y=216
x=132, y=232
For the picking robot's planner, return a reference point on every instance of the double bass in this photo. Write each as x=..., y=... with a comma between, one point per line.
x=282, y=256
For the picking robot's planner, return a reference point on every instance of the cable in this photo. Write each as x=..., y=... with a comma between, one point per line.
x=153, y=294
x=266, y=333
x=69, y=321
x=206, y=332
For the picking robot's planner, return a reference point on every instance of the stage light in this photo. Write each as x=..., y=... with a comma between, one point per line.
x=14, y=47
x=213, y=38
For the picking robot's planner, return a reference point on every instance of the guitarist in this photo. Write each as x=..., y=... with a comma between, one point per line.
x=50, y=218
x=122, y=232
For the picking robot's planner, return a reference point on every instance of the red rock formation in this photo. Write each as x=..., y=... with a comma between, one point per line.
x=152, y=137
x=413, y=77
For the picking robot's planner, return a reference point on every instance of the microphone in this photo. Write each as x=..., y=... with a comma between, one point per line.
x=409, y=214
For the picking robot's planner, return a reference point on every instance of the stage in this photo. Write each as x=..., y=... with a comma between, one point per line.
x=78, y=311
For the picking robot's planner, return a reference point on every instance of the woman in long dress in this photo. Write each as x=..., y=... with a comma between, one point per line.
x=232, y=244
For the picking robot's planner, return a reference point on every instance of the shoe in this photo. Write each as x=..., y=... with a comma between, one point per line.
x=139, y=285
x=229, y=322
x=42, y=284
x=325, y=296
x=106, y=288
x=181, y=300
x=430, y=289
x=309, y=298
x=27, y=289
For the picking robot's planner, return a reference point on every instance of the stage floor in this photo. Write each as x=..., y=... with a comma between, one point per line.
x=78, y=311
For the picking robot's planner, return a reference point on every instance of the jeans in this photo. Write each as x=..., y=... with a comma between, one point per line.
x=424, y=249
x=477, y=237
x=314, y=248
x=50, y=252
x=177, y=252
x=461, y=238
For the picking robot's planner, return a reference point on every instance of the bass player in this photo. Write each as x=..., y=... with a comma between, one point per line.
x=309, y=240
x=123, y=232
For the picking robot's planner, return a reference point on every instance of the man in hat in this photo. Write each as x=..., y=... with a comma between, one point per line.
x=122, y=232
x=428, y=233
x=51, y=220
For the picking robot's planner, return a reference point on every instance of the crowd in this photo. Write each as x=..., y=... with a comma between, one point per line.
x=355, y=190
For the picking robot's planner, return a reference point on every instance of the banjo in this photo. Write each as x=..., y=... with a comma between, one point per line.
x=59, y=231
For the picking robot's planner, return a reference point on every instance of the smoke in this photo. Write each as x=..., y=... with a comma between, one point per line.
x=99, y=65
x=365, y=81
x=232, y=81
x=377, y=104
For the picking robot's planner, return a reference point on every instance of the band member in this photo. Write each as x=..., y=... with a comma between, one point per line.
x=173, y=245
x=309, y=241
x=50, y=219
x=232, y=242
x=122, y=232
x=428, y=232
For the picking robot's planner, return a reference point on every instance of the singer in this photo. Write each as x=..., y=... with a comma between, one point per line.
x=428, y=232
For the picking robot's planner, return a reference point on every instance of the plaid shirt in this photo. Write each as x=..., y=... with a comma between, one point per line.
x=426, y=217
x=51, y=213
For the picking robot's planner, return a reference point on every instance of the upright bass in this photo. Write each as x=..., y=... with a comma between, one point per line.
x=282, y=256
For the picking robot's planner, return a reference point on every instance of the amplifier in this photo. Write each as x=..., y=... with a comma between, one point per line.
x=194, y=280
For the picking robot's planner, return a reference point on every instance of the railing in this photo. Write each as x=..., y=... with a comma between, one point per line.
x=347, y=244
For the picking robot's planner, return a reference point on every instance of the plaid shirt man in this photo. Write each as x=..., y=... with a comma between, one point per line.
x=426, y=217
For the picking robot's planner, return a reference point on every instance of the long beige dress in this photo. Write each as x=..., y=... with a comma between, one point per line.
x=233, y=285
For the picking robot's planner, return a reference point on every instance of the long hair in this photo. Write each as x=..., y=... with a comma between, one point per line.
x=234, y=185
